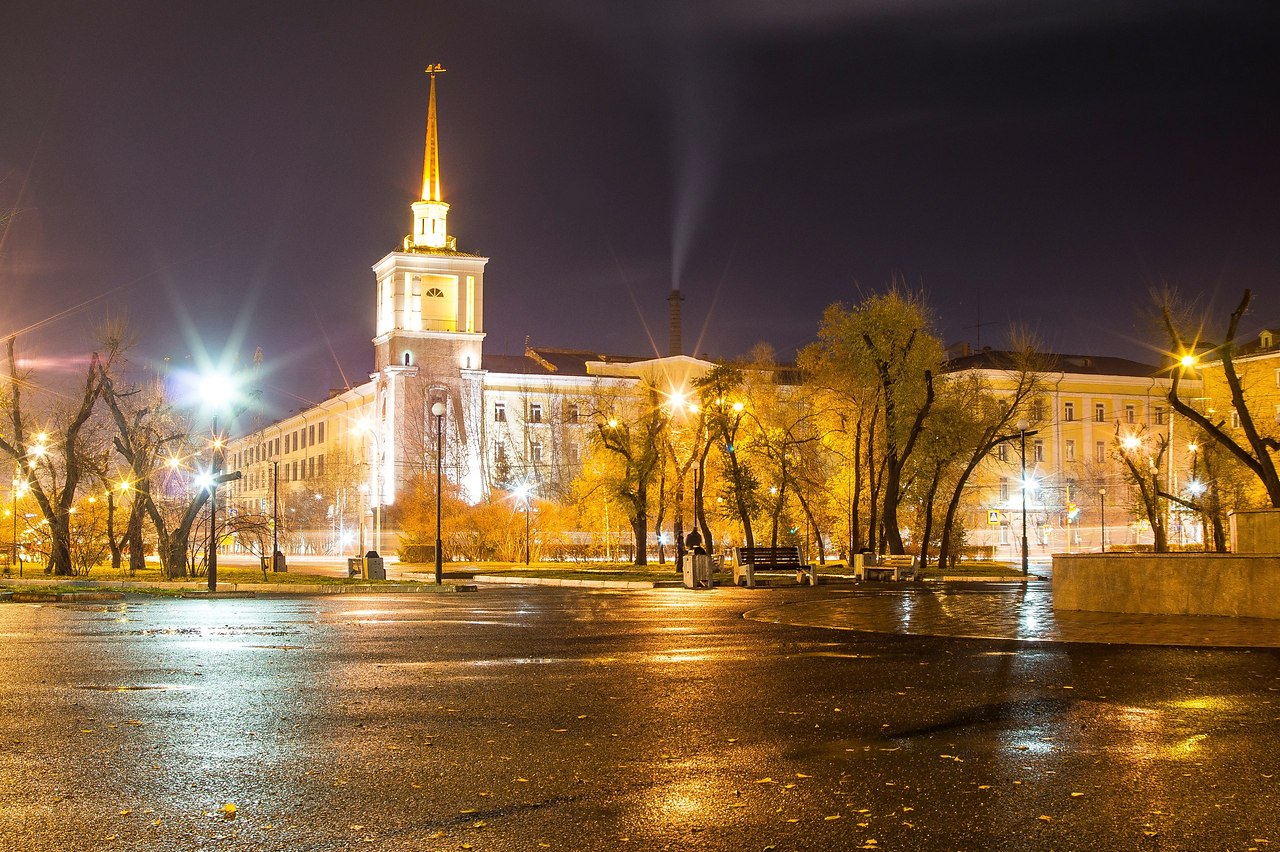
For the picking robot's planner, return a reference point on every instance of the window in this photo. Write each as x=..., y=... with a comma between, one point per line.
x=1099, y=412
x=1159, y=415
x=574, y=413
x=320, y=463
x=1278, y=413
x=1235, y=419
x=1038, y=453
x=1002, y=452
x=1068, y=411
x=1100, y=452
x=499, y=452
x=499, y=412
x=535, y=412
x=311, y=466
x=1037, y=410
x=435, y=293
x=276, y=451
x=321, y=433
x=1130, y=413
x=535, y=452
x=1069, y=450
x=1004, y=488
x=571, y=452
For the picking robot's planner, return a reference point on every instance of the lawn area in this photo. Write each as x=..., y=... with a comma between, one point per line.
x=226, y=574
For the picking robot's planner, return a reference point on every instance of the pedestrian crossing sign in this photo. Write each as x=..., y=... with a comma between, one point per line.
x=993, y=516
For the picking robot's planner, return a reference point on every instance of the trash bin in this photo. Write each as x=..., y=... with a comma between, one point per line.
x=697, y=571
x=375, y=568
x=280, y=565
x=355, y=566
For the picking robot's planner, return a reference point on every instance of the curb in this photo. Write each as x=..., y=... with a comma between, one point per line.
x=29, y=590
x=562, y=581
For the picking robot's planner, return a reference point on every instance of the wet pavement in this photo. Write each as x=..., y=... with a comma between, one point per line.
x=1011, y=611
x=544, y=718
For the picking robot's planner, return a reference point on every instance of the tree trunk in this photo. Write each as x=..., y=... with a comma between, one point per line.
x=640, y=523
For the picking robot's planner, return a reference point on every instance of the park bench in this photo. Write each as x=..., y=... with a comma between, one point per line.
x=751, y=560
x=887, y=567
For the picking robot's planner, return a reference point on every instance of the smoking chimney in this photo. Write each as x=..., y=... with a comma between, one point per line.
x=675, y=346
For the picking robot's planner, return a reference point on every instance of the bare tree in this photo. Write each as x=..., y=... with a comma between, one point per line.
x=54, y=467
x=1255, y=452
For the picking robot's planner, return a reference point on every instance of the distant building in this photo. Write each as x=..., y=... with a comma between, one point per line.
x=1087, y=404
x=508, y=419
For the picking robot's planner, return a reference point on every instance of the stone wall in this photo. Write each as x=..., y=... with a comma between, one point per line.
x=1169, y=583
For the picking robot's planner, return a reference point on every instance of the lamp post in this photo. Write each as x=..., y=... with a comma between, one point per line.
x=214, y=468
x=218, y=391
x=1102, y=512
x=1022, y=438
x=15, y=521
x=275, y=514
x=437, y=408
x=368, y=428
x=523, y=491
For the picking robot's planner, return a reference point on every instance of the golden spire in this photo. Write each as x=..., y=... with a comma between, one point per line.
x=431, y=162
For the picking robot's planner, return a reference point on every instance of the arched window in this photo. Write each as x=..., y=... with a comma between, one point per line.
x=406, y=359
x=435, y=293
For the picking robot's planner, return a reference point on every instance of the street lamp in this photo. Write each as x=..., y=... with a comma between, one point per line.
x=437, y=408
x=1102, y=512
x=522, y=491
x=368, y=429
x=217, y=391
x=1022, y=438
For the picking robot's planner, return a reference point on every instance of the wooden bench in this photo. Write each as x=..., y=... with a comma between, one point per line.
x=750, y=560
x=887, y=567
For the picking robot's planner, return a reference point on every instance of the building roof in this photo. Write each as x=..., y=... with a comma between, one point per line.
x=546, y=361
x=1094, y=365
x=1266, y=341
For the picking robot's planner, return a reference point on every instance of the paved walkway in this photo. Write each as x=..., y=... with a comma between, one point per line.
x=1016, y=611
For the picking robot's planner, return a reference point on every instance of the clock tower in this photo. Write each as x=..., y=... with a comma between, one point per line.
x=428, y=335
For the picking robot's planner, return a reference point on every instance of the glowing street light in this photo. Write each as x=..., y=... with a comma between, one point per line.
x=217, y=392
x=367, y=427
x=437, y=409
x=1102, y=514
x=522, y=491
x=1022, y=436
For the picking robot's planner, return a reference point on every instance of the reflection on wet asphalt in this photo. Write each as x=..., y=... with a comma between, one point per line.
x=1010, y=611
x=522, y=719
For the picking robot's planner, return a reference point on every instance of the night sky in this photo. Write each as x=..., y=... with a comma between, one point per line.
x=224, y=174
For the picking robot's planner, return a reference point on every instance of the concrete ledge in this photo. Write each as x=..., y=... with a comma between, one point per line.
x=562, y=581
x=1169, y=583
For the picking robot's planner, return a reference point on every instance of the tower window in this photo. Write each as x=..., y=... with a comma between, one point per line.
x=499, y=412
x=406, y=359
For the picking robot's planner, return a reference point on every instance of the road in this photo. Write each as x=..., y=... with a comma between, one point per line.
x=531, y=718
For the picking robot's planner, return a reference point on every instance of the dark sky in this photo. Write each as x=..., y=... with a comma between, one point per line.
x=224, y=174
